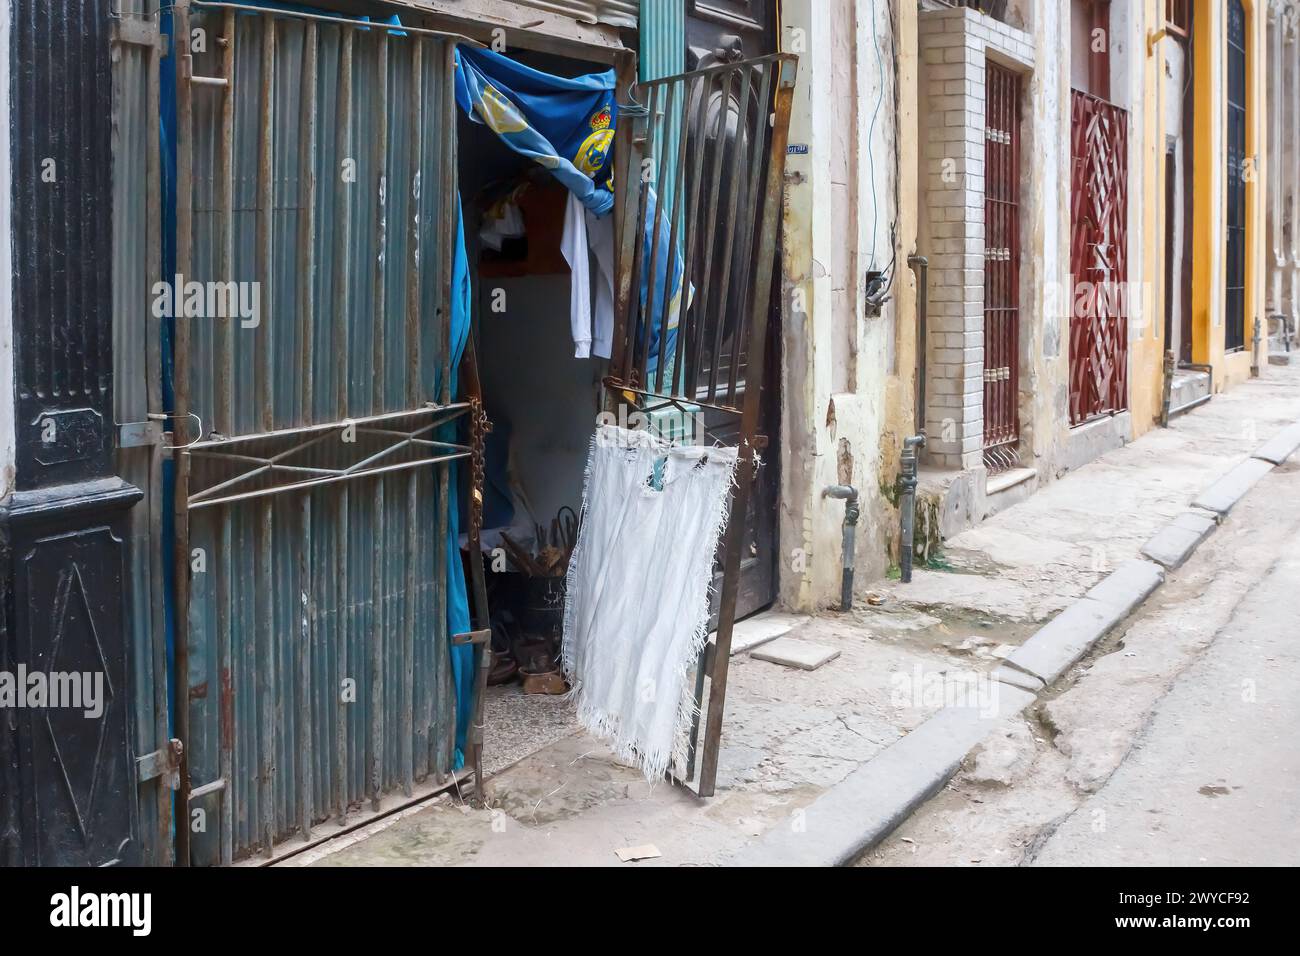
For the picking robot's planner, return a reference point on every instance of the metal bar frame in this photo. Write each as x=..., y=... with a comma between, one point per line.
x=1002, y=269
x=693, y=217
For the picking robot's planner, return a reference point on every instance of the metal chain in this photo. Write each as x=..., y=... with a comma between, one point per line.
x=479, y=426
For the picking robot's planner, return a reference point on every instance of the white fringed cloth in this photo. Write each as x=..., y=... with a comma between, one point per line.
x=636, y=613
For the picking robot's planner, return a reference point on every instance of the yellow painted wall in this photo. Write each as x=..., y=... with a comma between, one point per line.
x=1209, y=218
x=1146, y=336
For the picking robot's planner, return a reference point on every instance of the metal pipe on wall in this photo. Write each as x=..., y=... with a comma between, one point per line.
x=921, y=266
x=852, y=512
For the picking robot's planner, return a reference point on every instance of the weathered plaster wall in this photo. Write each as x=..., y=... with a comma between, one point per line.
x=1135, y=77
x=840, y=205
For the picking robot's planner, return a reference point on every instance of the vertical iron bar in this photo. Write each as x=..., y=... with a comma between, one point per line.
x=413, y=276
x=744, y=292
x=226, y=702
x=307, y=222
x=627, y=189
x=675, y=122
x=265, y=216
x=375, y=755
x=380, y=160
x=342, y=316
x=224, y=420
x=153, y=376
x=734, y=188
x=342, y=227
x=710, y=226
x=305, y=724
x=666, y=99
x=265, y=680
x=224, y=416
x=658, y=94
x=406, y=737
x=695, y=227
x=736, y=527
x=413, y=288
x=343, y=628
x=447, y=234
x=180, y=422
x=307, y=312
x=688, y=182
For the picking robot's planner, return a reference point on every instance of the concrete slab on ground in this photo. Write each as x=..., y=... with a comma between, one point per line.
x=761, y=628
x=791, y=652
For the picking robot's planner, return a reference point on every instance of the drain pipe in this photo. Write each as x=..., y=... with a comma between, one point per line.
x=1256, y=339
x=907, y=504
x=1169, y=388
x=910, y=462
x=921, y=266
x=849, y=494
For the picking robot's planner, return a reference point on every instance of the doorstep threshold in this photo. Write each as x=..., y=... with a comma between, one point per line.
x=1007, y=480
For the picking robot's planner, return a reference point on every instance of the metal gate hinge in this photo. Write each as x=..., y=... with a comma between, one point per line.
x=471, y=637
x=165, y=763
x=139, y=434
x=133, y=31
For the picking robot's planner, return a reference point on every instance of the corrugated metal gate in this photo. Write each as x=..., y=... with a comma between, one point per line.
x=1098, y=258
x=722, y=209
x=315, y=170
x=1001, y=269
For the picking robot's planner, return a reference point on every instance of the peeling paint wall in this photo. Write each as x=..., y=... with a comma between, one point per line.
x=841, y=221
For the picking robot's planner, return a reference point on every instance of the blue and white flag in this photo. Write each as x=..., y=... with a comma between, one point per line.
x=566, y=125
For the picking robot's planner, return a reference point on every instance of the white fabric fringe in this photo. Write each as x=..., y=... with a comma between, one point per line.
x=636, y=612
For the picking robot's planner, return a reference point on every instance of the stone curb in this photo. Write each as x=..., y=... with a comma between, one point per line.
x=874, y=800
x=1173, y=544
x=1281, y=446
x=867, y=805
x=1223, y=495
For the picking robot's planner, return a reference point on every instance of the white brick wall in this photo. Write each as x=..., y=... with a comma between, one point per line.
x=954, y=44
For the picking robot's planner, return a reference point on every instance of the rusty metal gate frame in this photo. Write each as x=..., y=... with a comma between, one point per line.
x=668, y=137
x=1098, y=256
x=216, y=467
x=1002, y=270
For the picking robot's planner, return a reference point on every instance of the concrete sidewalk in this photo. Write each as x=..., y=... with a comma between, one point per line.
x=817, y=765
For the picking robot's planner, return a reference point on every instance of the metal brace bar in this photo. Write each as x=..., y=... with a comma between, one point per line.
x=216, y=786
x=165, y=763
x=471, y=637
x=133, y=31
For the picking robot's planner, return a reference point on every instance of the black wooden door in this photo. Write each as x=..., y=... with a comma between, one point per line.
x=68, y=767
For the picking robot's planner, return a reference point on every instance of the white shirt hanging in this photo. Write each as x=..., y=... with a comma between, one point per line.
x=593, y=332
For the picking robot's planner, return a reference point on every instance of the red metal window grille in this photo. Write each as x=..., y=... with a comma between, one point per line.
x=1001, y=269
x=1234, y=327
x=1098, y=259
